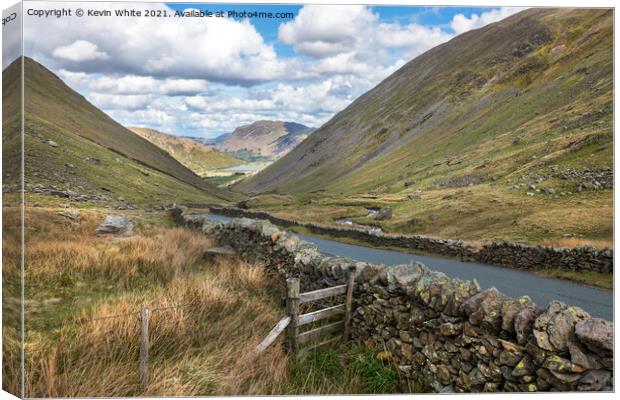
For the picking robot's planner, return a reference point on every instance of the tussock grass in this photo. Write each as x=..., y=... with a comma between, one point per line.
x=74, y=280
x=204, y=348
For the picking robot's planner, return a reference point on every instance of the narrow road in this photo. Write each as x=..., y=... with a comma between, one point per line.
x=512, y=282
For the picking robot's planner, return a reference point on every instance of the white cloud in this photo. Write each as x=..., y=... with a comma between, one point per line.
x=153, y=118
x=80, y=50
x=120, y=102
x=218, y=49
x=133, y=84
x=460, y=23
x=324, y=31
x=229, y=103
x=412, y=36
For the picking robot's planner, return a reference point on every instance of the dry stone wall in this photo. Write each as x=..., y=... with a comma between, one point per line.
x=509, y=254
x=444, y=333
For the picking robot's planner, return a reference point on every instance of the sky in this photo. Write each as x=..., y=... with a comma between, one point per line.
x=204, y=77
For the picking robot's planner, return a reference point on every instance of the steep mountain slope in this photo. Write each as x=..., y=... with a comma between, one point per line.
x=268, y=139
x=477, y=86
x=74, y=150
x=523, y=102
x=50, y=99
x=195, y=156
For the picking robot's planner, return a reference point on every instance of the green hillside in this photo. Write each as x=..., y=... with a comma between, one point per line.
x=195, y=156
x=505, y=130
x=74, y=151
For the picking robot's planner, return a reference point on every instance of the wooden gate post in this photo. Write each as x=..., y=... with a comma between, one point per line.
x=349, y=303
x=292, y=308
x=144, y=348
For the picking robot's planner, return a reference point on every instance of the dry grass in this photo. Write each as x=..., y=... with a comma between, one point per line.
x=203, y=348
x=578, y=242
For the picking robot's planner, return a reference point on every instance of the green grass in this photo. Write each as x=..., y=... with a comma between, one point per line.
x=589, y=278
x=332, y=370
x=484, y=213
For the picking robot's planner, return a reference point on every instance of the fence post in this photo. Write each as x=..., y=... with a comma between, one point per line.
x=292, y=308
x=349, y=303
x=144, y=348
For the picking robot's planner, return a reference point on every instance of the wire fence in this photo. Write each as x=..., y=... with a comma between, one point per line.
x=86, y=320
x=151, y=310
x=144, y=315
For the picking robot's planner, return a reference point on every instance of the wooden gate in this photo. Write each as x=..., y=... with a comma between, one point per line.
x=317, y=337
x=309, y=337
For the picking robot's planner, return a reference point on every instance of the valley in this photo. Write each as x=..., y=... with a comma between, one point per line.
x=488, y=158
x=508, y=137
x=198, y=157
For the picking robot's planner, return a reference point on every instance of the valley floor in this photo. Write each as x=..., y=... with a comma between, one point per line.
x=208, y=314
x=477, y=214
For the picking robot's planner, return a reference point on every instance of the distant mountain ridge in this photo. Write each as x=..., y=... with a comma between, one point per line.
x=194, y=155
x=262, y=139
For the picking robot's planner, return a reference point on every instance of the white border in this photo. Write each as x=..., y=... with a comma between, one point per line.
x=458, y=3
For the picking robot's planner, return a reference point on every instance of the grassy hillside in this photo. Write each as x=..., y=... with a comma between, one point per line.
x=506, y=129
x=195, y=156
x=75, y=152
x=49, y=99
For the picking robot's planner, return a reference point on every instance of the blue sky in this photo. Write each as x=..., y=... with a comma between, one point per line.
x=206, y=76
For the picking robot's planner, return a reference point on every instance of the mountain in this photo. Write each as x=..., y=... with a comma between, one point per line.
x=214, y=141
x=71, y=144
x=520, y=102
x=263, y=139
x=196, y=156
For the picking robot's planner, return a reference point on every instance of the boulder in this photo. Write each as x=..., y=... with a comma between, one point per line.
x=450, y=329
x=595, y=380
x=510, y=309
x=115, y=225
x=597, y=335
x=384, y=214
x=554, y=328
x=580, y=356
x=524, y=322
x=71, y=214
x=485, y=309
x=405, y=275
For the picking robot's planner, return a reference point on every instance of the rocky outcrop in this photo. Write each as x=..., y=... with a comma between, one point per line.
x=444, y=333
x=115, y=225
x=508, y=254
x=383, y=214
